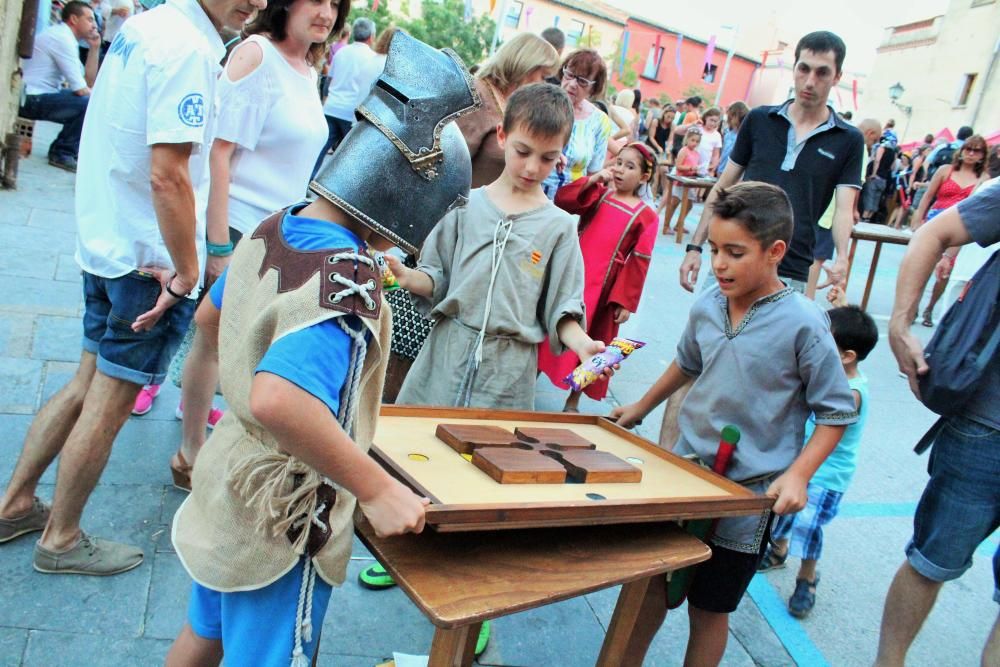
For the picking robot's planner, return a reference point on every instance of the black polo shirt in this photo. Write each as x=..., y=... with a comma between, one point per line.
x=809, y=172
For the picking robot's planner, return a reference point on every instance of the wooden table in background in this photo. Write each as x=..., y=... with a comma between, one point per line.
x=686, y=184
x=459, y=580
x=866, y=231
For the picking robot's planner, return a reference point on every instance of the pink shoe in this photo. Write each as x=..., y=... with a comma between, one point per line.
x=144, y=401
x=214, y=415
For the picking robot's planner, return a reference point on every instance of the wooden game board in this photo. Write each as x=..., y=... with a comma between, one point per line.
x=464, y=497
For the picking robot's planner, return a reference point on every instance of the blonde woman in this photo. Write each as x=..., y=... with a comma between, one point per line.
x=524, y=59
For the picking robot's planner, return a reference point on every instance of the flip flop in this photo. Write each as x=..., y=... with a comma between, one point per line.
x=484, y=638
x=375, y=578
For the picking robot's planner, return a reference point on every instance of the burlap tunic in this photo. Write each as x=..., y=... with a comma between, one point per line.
x=215, y=531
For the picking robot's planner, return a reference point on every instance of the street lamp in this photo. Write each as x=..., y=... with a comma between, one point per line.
x=896, y=91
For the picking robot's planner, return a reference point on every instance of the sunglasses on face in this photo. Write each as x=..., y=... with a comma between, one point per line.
x=974, y=150
x=580, y=81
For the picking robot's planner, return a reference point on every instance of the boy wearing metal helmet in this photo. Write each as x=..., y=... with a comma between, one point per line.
x=303, y=343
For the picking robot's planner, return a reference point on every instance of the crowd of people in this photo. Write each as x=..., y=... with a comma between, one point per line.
x=539, y=212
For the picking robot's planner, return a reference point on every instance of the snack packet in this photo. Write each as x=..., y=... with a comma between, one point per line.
x=389, y=281
x=588, y=372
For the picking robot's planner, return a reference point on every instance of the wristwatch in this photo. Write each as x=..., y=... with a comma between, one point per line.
x=696, y=248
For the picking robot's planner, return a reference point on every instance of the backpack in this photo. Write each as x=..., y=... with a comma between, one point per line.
x=944, y=156
x=965, y=344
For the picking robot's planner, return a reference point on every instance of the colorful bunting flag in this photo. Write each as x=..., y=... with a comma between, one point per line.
x=677, y=55
x=854, y=93
x=528, y=11
x=375, y=5
x=709, y=52
x=621, y=66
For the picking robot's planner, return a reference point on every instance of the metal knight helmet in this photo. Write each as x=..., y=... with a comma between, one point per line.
x=405, y=163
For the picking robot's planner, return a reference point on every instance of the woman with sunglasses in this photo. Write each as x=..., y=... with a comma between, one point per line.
x=951, y=184
x=584, y=75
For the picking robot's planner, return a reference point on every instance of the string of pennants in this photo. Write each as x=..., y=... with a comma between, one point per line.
x=708, y=69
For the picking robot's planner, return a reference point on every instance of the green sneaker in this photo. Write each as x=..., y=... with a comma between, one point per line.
x=375, y=578
x=484, y=638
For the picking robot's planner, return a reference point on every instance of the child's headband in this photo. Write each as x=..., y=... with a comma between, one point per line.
x=643, y=150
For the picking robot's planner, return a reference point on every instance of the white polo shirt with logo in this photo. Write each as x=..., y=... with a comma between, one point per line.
x=156, y=86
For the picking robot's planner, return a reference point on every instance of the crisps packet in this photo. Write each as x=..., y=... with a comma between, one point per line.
x=389, y=281
x=588, y=372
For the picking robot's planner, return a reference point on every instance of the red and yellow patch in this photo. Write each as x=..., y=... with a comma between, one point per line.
x=536, y=257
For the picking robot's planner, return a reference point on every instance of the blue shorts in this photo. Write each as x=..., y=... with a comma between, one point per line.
x=960, y=506
x=257, y=628
x=823, y=248
x=804, y=530
x=111, y=305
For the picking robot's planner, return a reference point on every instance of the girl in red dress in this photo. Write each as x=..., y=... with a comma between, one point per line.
x=617, y=234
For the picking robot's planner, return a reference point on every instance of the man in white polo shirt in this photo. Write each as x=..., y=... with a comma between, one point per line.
x=143, y=176
x=352, y=74
x=54, y=60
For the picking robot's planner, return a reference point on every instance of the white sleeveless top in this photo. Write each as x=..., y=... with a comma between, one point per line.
x=275, y=117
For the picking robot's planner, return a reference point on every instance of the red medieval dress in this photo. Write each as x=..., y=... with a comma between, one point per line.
x=617, y=243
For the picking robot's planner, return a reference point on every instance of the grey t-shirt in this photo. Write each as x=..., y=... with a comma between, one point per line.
x=764, y=376
x=980, y=214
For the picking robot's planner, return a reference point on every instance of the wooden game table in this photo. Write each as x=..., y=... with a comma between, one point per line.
x=460, y=580
x=866, y=231
x=536, y=544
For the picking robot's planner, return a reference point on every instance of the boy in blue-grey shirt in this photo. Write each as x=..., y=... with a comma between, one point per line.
x=801, y=534
x=762, y=358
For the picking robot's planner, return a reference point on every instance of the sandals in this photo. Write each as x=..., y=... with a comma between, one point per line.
x=180, y=470
x=772, y=561
x=804, y=597
x=928, y=321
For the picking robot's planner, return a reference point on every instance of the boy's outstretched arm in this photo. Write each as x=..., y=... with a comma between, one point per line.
x=416, y=282
x=572, y=335
x=629, y=415
x=310, y=433
x=790, y=487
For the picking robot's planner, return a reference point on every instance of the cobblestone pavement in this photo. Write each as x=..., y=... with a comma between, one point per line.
x=130, y=619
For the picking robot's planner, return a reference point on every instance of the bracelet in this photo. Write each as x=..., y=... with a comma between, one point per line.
x=696, y=248
x=220, y=249
x=173, y=293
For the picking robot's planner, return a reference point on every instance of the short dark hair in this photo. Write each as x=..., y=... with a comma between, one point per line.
x=928, y=138
x=694, y=101
x=541, y=109
x=761, y=208
x=822, y=41
x=273, y=22
x=964, y=133
x=555, y=37
x=853, y=329
x=74, y=8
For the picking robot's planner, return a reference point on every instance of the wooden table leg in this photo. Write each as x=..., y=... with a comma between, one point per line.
x=685, y=207
x=454, y=647
x=871, y=275
x=641, y=609
x=850, y=262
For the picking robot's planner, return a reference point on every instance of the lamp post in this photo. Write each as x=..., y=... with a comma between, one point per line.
x=896, y=91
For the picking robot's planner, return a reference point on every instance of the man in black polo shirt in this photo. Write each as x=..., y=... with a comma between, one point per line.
x=805, y=148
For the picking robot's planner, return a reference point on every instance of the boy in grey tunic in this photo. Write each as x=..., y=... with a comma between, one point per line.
x=501, y=273
x=762, y=358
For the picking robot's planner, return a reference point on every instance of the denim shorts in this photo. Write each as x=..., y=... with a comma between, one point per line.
x=111, y=305
x=823, y=248
x=960, y=506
